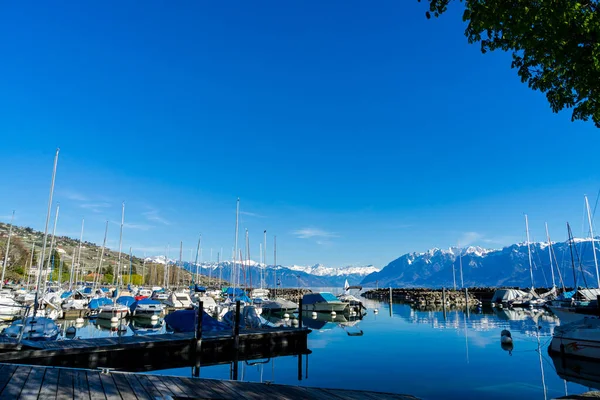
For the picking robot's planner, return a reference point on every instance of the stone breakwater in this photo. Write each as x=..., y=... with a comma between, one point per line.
x=423, y=297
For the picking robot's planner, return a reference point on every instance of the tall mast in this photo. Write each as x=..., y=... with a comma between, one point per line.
x=275, y=262
x=167, y=268
x=30, y=263
x=101, y=258
x=550, y=256
x=587, y=206
x=118, y=274
x=235, y=249
x=197, y=253
x=261, y=265
x=462, y=283
x=210, y=268
x=180, y=262
x=529, y=252
x=248, y=259
x=7, y=248
x=220, y=269
x=79, y=251
x=144, y=270
x=130, y=265
x=46, y=230
x=51, y=247
x=454, y=275
x=264, y=253
x=572, y=259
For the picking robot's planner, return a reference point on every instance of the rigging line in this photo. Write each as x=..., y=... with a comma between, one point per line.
x=596, y=204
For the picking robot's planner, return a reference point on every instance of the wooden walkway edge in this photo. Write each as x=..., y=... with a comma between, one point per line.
x=36, y=382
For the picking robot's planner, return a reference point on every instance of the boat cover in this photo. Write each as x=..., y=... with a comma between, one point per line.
x=322, y=297
x=185, y=321
x=99, y=302
x=506, y=295
x=126, y=300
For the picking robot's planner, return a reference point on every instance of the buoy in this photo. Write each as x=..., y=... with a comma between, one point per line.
x=505, y=337
x=314, y=314
x=333, y=313
x=294, y=321
x=154, y=317
x=114, y=320
x=79, y=320
x=286, y=315
x=113, y=326
x=375, y=311
x=71, y=331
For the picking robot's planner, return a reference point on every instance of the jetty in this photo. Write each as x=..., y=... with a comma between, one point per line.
x=35, y=382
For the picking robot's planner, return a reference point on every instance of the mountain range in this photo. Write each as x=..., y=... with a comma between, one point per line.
x=489, y=267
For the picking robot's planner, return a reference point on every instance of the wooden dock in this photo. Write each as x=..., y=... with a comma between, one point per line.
x=35, y=382
x=146, y=352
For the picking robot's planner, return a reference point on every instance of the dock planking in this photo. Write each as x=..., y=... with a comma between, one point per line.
x=38, y=382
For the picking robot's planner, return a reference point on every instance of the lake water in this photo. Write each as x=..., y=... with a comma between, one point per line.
x=423, y=353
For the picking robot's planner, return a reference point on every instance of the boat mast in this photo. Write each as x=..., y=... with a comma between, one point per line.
x=264, y=255
x=101, y=258
x=210, y=268
x=118, y=274
x=220, y=269
x=275, y=263
x=550, y=256
x=79, y=251
x=130, y=265
x=166, y=280
x=235, y=249
x=529, y=252
x=462, y=283
x=30, y=264
x=261, y=264
x=587, y=206
x=7, y=248
x=196, y=261
x=454, y=275
x=50, y=258
x=39, y=277
x=180, y=262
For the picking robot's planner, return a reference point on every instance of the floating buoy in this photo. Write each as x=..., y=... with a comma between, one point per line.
x=314, y=314
x=294, y=321
x=71, y=331
x=79, y=321
x=114, y=320
x=114, y=326
x=375, y=311
x=333, y=313
x=505, y=337
x=154, y=317
x=286, y=315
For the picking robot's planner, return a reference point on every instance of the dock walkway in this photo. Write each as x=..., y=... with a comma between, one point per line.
x=36, y=382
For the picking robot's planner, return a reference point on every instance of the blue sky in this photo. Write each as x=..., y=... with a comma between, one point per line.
x=353, y=131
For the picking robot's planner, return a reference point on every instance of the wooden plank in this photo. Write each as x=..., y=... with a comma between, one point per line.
x=49, y=384
x=201, y=388
x=139, y=389
x=160, y=386
x=15, y=385
x=172, y=383
x=5, y=374
x=109, y=386
x=80, y=386
x=148, y=385
x=33, y=385
x=65, y=385
x=95, y=385
x=123, y=386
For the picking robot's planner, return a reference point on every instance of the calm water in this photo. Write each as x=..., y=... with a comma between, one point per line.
x=421, y=353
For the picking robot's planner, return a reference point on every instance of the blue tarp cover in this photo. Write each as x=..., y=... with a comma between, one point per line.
x=87, y=290
x=234, y=292
x=185, y=321
x=97, y=303
x=126, y=300
x=66, y=295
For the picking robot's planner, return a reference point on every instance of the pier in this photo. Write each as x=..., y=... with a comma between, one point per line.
x=144, y=353
x=35, y=382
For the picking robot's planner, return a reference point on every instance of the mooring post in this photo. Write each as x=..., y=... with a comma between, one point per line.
x=300, y=313
x=299, y=367
x=236, y=327
x=199, y=321
x=598, y=304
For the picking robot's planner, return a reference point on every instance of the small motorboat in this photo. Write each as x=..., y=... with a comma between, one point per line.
x=179, y=300
x=322, y=302
x=146, y=308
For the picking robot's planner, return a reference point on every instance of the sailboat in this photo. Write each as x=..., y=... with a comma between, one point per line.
x=277, y=305
x=354, y=303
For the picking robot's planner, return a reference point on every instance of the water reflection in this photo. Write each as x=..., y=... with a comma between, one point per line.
x=582, y=372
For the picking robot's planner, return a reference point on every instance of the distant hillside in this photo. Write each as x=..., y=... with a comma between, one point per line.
x=485, y=267
x=20, y=257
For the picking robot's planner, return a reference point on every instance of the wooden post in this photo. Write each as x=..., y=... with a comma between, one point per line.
x=236, y=326
x=300, y=313
x=299, y=367
x=199, y=320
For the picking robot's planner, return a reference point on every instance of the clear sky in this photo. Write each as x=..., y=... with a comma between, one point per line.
x=354, y=131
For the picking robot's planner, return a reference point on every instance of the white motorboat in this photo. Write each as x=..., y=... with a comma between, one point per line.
x=580, y=339
x=10, y=309
x=323, y=302
x=147, y=308
x=110, y=311
x=179, y=300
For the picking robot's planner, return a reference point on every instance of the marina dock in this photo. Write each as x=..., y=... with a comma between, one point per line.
x=145, y=352
x=34, y=382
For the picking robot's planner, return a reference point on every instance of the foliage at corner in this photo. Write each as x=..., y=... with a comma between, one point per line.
x=554, y=45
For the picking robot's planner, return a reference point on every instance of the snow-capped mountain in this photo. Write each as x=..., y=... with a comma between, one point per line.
x=487, y=267
x=321, y=270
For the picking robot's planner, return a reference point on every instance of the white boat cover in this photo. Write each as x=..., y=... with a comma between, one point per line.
x=506, y=295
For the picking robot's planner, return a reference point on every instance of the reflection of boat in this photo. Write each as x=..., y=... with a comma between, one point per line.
x=106, y=324
x=142, y=326
x=185, y=321
x=34, y=328
x=322, y=302
x=580, y=339
x=320, y=321
x=582, y=372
